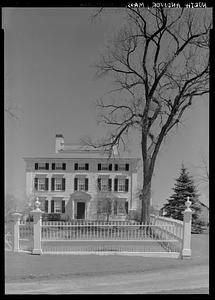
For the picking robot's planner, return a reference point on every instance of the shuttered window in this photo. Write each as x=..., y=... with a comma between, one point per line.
x=121, y=167
x=81, y=166
x=58, y=184
x=58, y=166
x=81, y=184
x=121, y=185
x=41, y=184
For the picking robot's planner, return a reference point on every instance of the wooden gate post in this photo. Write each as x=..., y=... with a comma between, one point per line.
x=16, y=218
x=37, y=216
x=186, y=248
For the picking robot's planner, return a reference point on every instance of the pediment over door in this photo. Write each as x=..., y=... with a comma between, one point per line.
x=80, y=195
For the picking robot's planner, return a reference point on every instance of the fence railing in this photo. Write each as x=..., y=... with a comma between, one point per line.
x=97, y=231
x=170, y=228
x=172, y=234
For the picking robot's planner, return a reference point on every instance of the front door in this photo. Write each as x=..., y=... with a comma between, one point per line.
x=80, y=210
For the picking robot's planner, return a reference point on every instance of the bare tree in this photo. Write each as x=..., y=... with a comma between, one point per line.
x=159, y=61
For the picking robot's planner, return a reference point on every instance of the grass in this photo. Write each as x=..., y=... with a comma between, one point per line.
x=22, y=266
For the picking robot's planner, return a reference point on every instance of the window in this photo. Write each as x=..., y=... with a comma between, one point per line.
x=58, y=206
x=43, y=204
x=41, y=166
x=121, y=185
x=119, y=207
x=58, y=166
x=81, y=166
x=104, y=184
x=104, y=167
x=81, y=184
x=121, y=167
x=58, y=184
x=41, y=184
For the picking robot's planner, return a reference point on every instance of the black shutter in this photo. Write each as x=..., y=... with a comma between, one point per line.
x=63, y=206
x=47, y=166
x=126, y=185
x=53, y=166
x=116, y=167
x=52, y=184
x=46, y=184
x=46, y=206
x=76, y=184
x=115, y=207
x=86, y=184
x=115, y=185
x=86, y=167
x=126, y=207
x=110, y=167
x=99, y=184
x=109, y=184
x=76, y=167
x=52, y=206
x=127, y=167
x=36, y=183
x=63, y=184
x=64, y=166
x=99, y=167
x=36, y=166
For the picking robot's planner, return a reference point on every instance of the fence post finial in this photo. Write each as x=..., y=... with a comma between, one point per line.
x=186, y=248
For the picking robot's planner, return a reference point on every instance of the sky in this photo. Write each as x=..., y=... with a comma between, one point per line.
x=50, y=85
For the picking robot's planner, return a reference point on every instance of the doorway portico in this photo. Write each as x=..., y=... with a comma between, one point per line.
x=80, y=205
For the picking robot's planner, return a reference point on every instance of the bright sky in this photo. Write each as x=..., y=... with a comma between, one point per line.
x=49, y=79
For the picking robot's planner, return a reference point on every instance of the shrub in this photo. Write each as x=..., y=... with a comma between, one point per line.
x=134, y=215
x=51, y=217
x=198, y=226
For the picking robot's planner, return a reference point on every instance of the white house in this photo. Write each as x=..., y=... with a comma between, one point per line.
x=74, y=178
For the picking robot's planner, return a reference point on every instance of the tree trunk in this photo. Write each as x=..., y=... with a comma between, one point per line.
x=146, y=196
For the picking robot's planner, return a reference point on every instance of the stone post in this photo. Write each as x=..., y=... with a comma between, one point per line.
x=16, y=218
x=37, y=216
x=186, y=248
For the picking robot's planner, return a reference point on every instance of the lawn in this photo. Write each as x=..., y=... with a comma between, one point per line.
x=22, y=266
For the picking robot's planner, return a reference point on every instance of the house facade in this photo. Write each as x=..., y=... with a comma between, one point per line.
x=75, y=180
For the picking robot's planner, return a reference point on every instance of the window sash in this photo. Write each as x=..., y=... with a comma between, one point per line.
x=41, y=166
x=58, y=184
x=104, y=185
x=57, y=206
x=81, y=166
x=58, y=166
x=41, y=184
x=104, y=167
x=121, y=185
x=81, y=184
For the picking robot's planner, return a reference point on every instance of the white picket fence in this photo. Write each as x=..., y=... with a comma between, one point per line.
x=163, y=237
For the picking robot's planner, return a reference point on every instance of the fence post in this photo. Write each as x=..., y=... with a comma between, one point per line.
x=186, y=248
x=16, y=218
x=37, y=216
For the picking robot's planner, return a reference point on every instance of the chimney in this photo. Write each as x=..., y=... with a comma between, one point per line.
x=59, y=143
